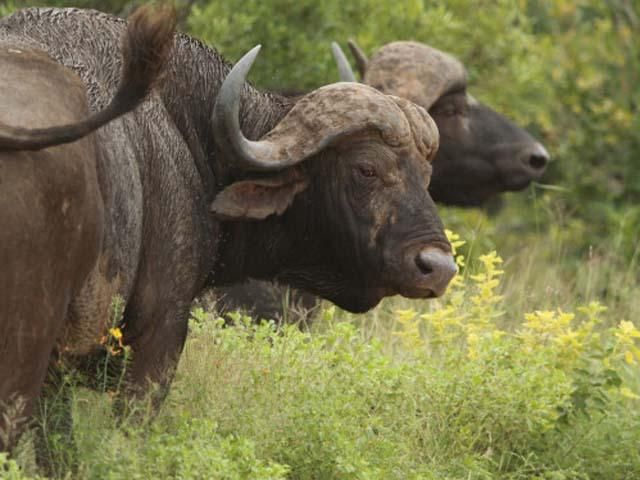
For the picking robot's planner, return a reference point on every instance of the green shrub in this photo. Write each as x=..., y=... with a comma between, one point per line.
x=451, y=388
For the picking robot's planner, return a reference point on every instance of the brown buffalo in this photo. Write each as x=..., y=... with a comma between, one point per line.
x=208, y=182
x=52, y=210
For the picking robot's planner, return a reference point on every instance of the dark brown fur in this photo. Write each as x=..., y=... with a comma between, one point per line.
x=52, y=213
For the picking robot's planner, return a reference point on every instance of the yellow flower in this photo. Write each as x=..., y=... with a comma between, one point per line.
x=410, y=328
x=628, y=357
x=116, y=333
x=592, y=311
x=454, y=240
x=472, y=345
x=626, y=392
x=405, y=316
x=627, y=331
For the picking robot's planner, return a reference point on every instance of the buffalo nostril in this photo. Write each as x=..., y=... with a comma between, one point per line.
x=539, y=157
x=437, y=268
x=538, y=162
x=424, y=264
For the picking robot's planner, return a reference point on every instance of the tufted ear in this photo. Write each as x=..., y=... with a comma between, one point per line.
x=256, y=199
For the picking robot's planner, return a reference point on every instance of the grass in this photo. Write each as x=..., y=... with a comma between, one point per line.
x=517, y=373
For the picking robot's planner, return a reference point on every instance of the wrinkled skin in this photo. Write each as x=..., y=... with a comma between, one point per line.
x=171, y=211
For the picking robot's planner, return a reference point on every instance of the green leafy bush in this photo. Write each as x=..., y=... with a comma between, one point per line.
x=444, y=389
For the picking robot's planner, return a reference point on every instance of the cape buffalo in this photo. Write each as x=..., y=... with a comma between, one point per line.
x=208, y=182
x=481, y=154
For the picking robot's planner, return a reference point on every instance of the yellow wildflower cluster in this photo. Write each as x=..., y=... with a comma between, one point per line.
x=552, y=331
x=468, y=313
x=464, y=322
x=113, y=341
x=410, y=332
x=486, y=299
x=627, y=334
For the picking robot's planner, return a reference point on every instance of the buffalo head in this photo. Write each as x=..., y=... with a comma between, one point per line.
x=482, y=153
x=340, y=184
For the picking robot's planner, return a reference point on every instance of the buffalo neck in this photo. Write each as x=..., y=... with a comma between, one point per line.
x=189, y=93
x=267, y=248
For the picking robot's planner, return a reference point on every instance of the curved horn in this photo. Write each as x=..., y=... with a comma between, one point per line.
x=344, y=69
x=358, y=54
x=226, y=115
x=315, y=122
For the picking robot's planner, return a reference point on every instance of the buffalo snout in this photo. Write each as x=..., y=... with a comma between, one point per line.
x=535, y=159
x=520, y=164
x=427, y=272
x=436, y=268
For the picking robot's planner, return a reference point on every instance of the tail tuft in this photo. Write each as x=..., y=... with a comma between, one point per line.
x=146, y=48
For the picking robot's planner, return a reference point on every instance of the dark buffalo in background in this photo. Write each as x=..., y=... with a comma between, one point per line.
x=482, y=153
x=208, y=182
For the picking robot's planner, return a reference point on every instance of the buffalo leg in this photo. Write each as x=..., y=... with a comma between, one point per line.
x=23, y=366
x=155, y=355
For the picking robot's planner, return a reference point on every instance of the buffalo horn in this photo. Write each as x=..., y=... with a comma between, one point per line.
x=344, y=69
x=226, y=121
x=358, y=54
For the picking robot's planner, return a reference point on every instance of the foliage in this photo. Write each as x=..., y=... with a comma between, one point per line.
x=10, y=470
x=445, y=389
x=7, y=8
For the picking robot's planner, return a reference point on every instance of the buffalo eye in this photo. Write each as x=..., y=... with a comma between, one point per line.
x=447, y=109
x=367, y=171
x=451, y=105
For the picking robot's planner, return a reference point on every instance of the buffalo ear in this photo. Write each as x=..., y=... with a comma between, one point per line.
x=256, y=199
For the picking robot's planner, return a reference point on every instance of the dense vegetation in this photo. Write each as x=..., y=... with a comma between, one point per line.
x=416, y=390
x=520, y=374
